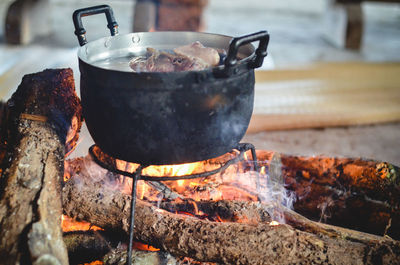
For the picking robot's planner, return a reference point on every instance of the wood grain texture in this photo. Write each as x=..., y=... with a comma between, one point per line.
x=349, y=192
x=227, y=243
x=326, y=95
x=30, y=198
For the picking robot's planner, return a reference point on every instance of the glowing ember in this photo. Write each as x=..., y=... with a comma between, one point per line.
x=141, y=246
x=237, y=182
x=97, y=262
x=69, y=224
x=274, y=223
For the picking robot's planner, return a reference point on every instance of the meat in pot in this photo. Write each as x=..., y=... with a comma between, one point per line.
x=192, y=57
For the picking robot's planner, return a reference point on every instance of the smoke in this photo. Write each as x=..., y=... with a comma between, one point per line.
x=236, y=183
x=271, y=189
x=88, y=168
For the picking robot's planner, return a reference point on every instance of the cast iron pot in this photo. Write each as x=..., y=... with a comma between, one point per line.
x=166, y=118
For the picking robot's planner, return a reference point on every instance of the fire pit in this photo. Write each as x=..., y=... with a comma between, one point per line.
x=165, y=118
x=232, y=225
x=135, y=173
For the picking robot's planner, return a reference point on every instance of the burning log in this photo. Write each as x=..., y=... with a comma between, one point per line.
x=88, y=246
x=93, y=200
x=43, y=120
x=353, y=193
x=250, y=212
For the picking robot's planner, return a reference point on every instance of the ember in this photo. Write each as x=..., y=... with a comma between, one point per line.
x=221, y=198
x=68, y=225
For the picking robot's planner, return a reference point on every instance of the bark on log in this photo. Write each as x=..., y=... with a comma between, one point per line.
x=251, y=212
x=88, y=246
x=43, y=114
x=94, y=200
x=119, y=256
x=353, y=193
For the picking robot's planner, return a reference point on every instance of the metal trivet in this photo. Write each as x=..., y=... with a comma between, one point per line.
x=108, y=162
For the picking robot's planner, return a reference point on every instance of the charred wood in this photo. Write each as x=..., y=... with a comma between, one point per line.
x=227, y=211
x=251, y=212
x=3, y=142
x=228, y=243
x=354, y=193
x=119, y=256
x=88, y=246
x=42, y=116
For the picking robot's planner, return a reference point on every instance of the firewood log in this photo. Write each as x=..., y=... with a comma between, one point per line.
x=42, y=115
x=251, y=212
x=88, y=246
x=92, y=198
x=119, y=256
x=353, y=193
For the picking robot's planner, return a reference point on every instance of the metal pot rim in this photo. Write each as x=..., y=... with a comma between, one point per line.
x=134, y=44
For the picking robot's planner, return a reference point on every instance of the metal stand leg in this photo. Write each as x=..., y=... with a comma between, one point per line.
x=132, y=221
x=254, y=155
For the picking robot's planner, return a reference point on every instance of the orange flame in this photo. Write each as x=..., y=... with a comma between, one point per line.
x=228, y=185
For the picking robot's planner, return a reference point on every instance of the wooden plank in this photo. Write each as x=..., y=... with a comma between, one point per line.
x=326, y=95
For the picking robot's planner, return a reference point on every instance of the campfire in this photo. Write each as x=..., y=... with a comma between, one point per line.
x=243, y=207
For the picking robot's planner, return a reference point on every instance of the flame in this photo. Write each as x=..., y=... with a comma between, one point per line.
x=274, y=223
x=143, y=189
x=236, y=182
x=219, y=219
x=262, y=170
x=227, y=185
x=172, y=170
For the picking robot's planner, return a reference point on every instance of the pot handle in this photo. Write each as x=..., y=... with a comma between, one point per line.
x=235, y=44
x=80, y=31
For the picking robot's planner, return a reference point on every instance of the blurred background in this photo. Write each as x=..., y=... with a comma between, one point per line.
x=330, y=84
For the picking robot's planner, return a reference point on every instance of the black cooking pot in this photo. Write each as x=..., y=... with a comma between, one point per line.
x=165, y=118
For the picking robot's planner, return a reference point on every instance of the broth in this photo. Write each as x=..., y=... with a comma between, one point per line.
x=122, y=63
x=118, y=63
